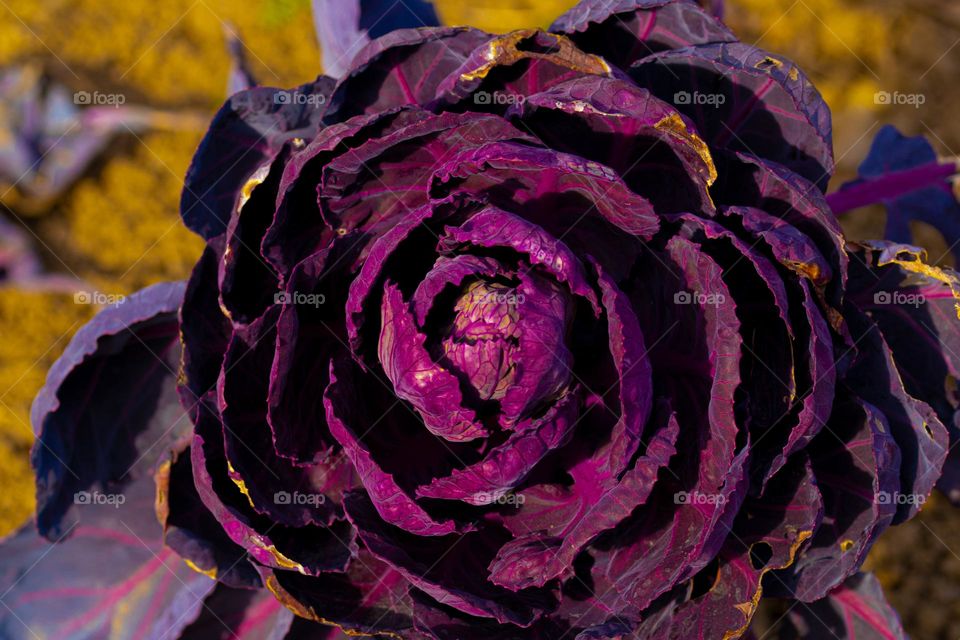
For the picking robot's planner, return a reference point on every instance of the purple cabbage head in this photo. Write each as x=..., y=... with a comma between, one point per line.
x=542, y=335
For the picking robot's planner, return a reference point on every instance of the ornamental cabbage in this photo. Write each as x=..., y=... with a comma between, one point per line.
x=550, y=334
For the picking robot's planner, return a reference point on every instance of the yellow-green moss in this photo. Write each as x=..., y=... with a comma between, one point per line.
x=840, y=45
x=35, y=328
x=167, y=53
x=122, y=229
x=500, y=16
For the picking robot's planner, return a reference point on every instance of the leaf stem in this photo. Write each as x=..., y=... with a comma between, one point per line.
x=891, y=186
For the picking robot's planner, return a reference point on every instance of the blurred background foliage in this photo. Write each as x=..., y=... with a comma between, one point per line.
x=117, y=228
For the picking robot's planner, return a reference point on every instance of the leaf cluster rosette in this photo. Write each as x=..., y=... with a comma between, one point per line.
x=540, y=335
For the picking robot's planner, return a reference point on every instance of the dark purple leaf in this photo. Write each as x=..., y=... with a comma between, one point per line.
x=246, y=134
x=403, y=67
x=856, y=465
x=520, y=63
x=768, y=534
x=744, y=99
x=109, y=576
x=915, y=307
x=344, y=26
x=192, y=531
x=905, y=175
x=389, y=499
x=645, y=141
x=856, y=610
x=109, y=407
x=451, y=569
x=624, y=31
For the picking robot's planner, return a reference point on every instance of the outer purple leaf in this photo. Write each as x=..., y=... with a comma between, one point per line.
x=402, y=67
x=768, y=534
x=109, y=408
x=369, y=599
x=241, y=614
x=520, y=63
x=344, y=27
x=634, y=376
x=205, y=330
x=856, y=610
x=746, y=180
x=450, y=570
x=645, y=141
x=856, y=464
x=192, y=531
x=624, y=31
x=770, y=376
x=298, y=229
x=915, y=306
x=744, y=99
x=246, y=282
x=441, y=622
x=668, y=540
x=109, y=576
x=311, y=550
x=817, y=403
x=253, y=464
x=921, y=437
x=935, y=205
x=248, y=132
